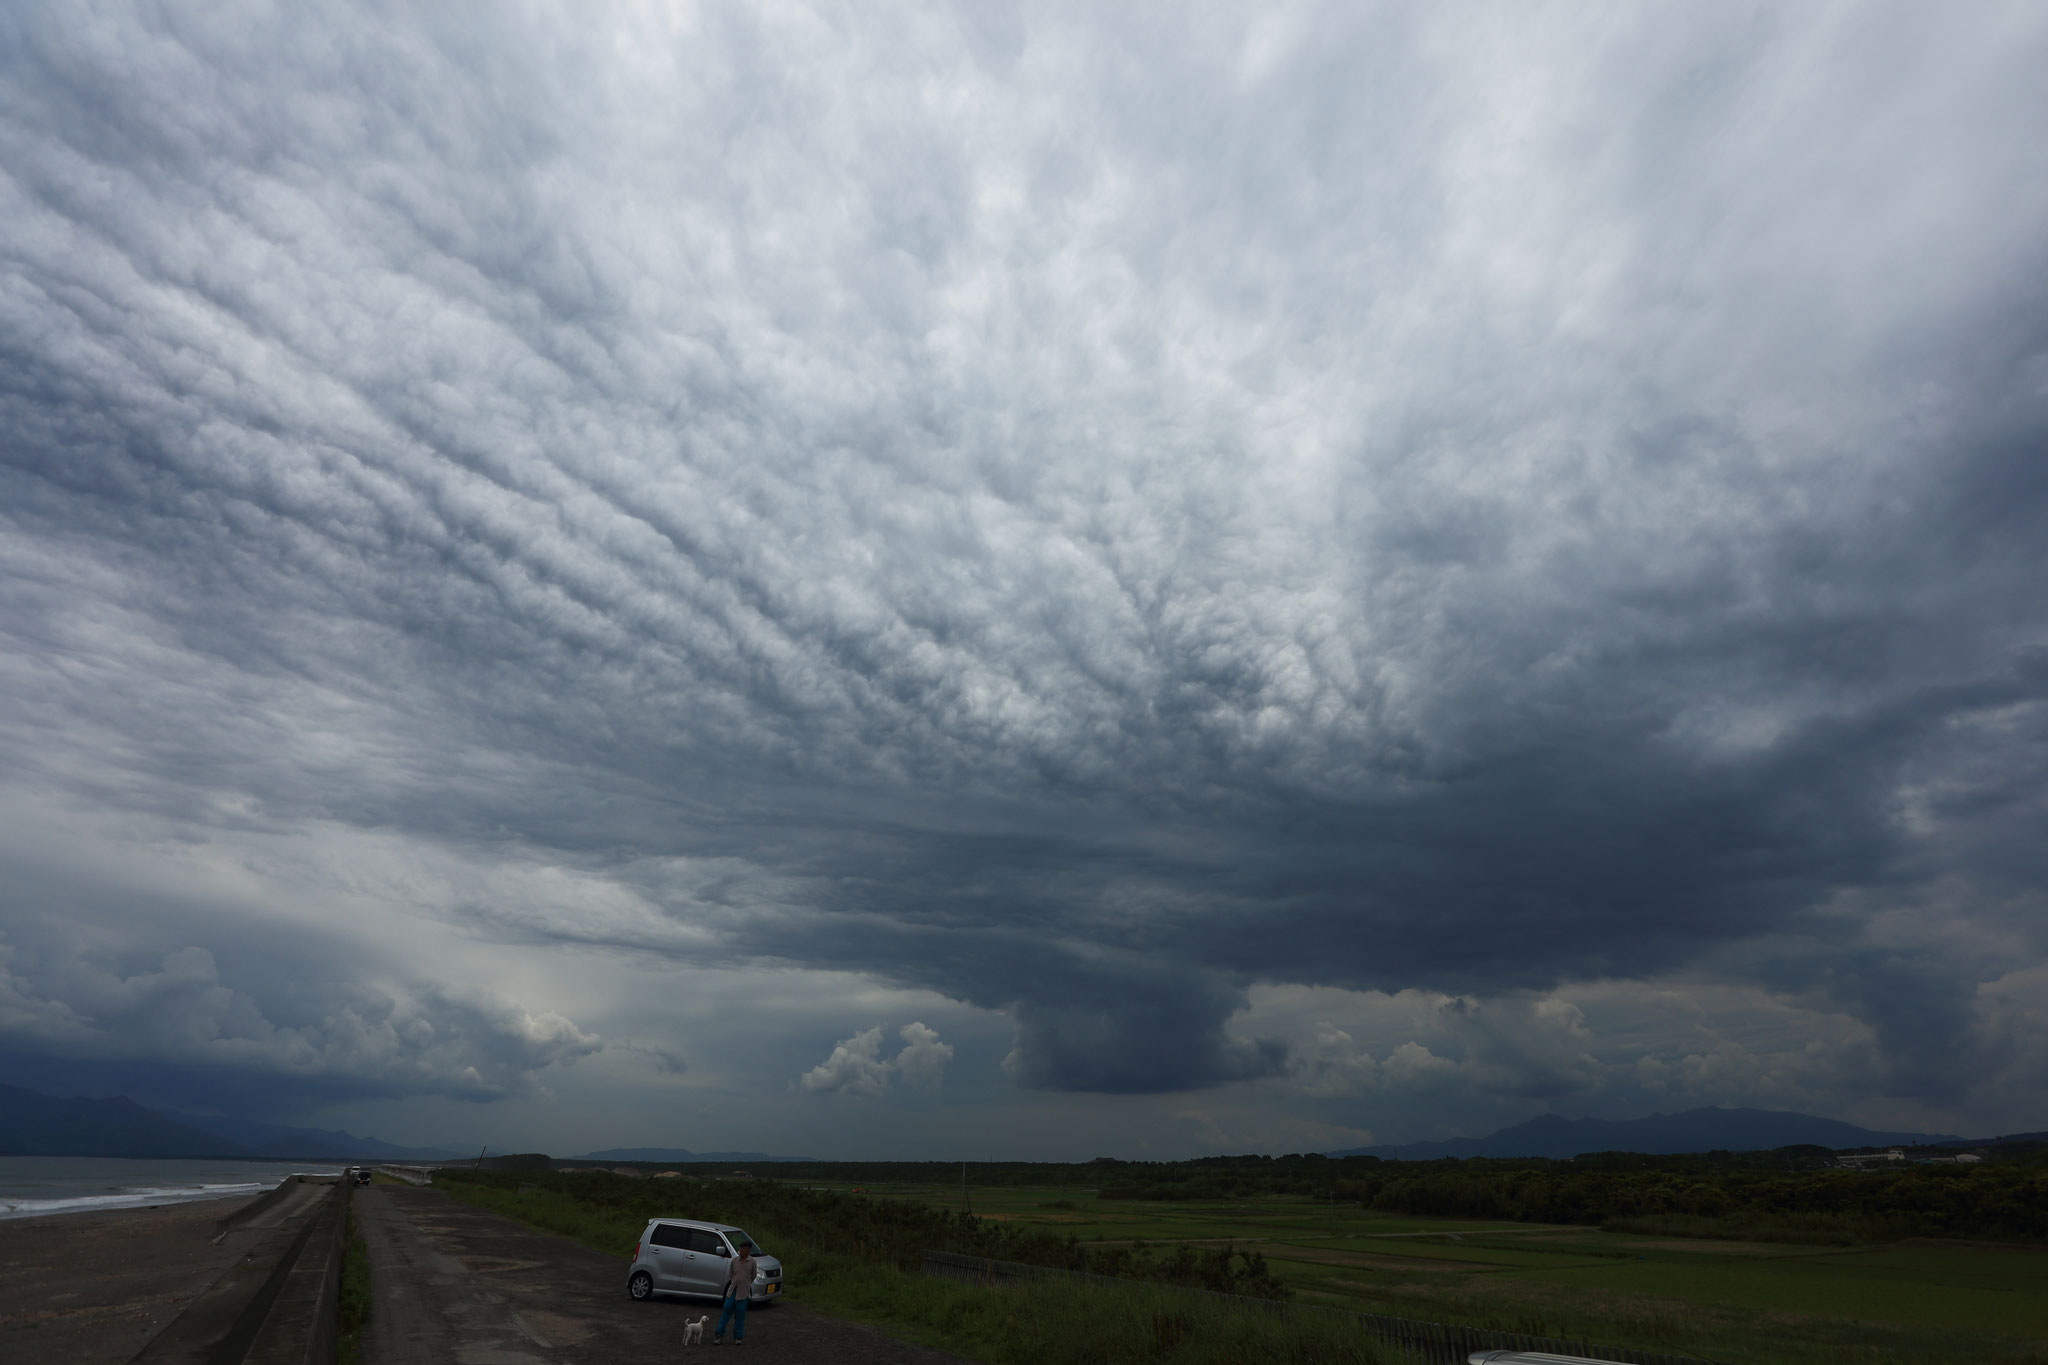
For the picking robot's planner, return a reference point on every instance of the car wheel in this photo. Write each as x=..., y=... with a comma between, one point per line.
x=640, y=1286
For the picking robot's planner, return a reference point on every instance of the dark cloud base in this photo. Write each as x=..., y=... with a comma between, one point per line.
x=1089, y=614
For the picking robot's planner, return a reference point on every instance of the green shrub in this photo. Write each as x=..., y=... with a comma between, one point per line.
x=354, y=1307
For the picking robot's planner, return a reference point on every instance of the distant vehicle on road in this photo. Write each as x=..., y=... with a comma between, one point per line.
x=362, y=1175
x=679, y=1256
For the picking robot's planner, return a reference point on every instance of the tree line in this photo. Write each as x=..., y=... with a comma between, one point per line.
x=1791, y=1194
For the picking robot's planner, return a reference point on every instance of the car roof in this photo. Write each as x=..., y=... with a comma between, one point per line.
x=694, y=1223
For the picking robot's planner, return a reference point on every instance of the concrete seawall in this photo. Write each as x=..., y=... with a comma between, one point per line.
x=411, y=1175
x=260, y=1205
x=276, y=1304
x=299, y=1328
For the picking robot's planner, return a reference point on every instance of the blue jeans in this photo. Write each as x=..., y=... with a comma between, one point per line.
x=735, y=1313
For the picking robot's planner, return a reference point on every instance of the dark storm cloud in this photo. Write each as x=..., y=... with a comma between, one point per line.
x=1080, y=521
x=195, y=1034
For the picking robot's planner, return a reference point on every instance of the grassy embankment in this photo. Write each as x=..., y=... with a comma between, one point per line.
x=864, y=1279
x=354, y=1309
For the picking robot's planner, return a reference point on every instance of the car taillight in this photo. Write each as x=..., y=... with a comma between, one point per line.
x=636, y=1251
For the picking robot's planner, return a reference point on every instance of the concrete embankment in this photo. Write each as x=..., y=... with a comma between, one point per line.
x=275, y=1304
x=299, y=1328
x=252, y=1212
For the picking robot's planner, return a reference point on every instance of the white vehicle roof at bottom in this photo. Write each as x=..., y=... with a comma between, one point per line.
x=1533, y=1358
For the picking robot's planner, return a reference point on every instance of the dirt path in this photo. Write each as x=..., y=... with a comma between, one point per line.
x=454, y=1285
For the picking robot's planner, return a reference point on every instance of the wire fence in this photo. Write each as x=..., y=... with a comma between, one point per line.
x=1438, y=1343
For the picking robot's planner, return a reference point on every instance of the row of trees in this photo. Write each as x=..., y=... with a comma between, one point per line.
x=1995, y=1202
x=1793, y=1193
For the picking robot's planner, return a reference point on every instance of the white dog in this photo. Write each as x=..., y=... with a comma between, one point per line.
x=693, y=1332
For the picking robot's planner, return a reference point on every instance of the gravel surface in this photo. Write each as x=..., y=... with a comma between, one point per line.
x=93, y=1288
x=452, y=1283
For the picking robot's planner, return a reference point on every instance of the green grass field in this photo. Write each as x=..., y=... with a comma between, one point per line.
x=1030, y=1324
x=1739, y=1302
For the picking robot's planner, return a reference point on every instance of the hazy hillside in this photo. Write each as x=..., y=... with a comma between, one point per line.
x=33, y=1124
x=677, y=1155
x=1698, y=1130
x=283, y=1142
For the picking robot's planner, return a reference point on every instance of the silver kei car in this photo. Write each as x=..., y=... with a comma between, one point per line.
x=679, y=1256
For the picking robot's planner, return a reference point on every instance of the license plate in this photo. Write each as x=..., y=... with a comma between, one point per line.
x=774, y=1288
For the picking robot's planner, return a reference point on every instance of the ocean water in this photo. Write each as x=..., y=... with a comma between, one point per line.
x=31, y=1186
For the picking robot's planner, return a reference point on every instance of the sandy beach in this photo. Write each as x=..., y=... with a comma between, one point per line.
x=91, y=1288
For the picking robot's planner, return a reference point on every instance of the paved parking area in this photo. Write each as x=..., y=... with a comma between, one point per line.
x=455, y=1284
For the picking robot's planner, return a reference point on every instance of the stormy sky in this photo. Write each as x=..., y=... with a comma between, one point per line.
x=1024, y=581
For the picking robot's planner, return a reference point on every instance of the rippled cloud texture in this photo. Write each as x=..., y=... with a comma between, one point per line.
x=1220, y=577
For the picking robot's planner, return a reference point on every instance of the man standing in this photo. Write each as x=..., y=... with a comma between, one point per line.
x=739, y=1287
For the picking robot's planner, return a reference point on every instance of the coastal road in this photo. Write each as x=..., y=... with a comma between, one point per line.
x=454, y=1285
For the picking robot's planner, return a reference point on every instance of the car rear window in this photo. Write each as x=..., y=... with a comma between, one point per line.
x=666, y=1236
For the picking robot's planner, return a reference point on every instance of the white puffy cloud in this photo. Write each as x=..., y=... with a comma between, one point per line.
x=1414, y=1069
x=857, y=1067
x=1329, y=1064
x=922, y=1062
x=854, y=1068
x=1537, y=1048
x=26, y=1016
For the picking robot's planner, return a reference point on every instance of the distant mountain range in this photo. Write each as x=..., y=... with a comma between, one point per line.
x=279, y=1140
x=34, y=1124
x=1697, y=1130
x=678, y=1155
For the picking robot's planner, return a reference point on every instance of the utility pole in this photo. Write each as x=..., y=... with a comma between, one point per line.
x=480, y=1157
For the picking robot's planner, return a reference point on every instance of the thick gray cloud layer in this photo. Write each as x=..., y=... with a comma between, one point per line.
x=1084, y=515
